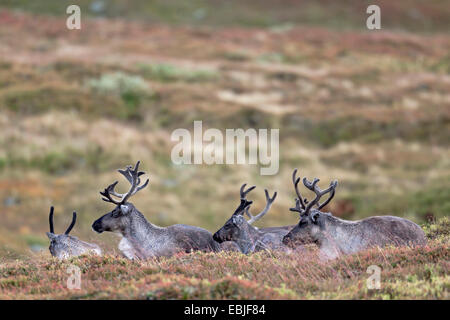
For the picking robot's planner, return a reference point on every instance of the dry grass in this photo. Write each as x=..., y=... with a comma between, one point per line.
x=407, y=273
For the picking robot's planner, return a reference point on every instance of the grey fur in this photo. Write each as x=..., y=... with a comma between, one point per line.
x=142, y=239
x=64, y=246
x=247, y=237
x=336, y=236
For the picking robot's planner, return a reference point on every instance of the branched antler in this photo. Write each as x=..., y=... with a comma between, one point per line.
x=312, y=185
x=319, y=193
x=333, y=185
x=244, y=202
x=133, y=177
x=244, y=193
x=298, y=207
x=295, y=181
x=269, y=202
x=108, y=192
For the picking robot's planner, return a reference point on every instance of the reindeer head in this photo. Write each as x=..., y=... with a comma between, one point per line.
x=236, y=227
x=118, y=219
x=310, y=226
x=64, y=245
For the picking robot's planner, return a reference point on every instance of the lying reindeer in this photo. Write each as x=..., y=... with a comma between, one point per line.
x=140, y=238
x=244, y=234
x=336, y=236
x=64, y=246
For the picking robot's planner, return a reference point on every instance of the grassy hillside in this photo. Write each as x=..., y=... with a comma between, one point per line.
x=369, y=108
x=406, y=273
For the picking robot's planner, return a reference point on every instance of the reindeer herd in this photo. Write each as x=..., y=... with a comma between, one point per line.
x=141, y=239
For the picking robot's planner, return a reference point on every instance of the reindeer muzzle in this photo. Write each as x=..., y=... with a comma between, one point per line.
x=287, y=239
x=217, y=238
x=97, y=226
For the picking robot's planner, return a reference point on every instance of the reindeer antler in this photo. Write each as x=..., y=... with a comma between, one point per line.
x=244, y=193
x=50, y=219
x=74, y=220
x=110, y=191
x=295, y=181
x=269, y=202
x=298, y=208
x=133, y=177
x=333, y=184
x=312, y=185
x=244, y=202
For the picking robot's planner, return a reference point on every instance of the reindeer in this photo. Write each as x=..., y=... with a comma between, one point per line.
x=336, y=236
x=247, y=237
x=64, y=246
x=140, y=238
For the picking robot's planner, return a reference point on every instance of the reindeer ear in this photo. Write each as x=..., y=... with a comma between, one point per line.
x=50, y=235
x=124, y=208
x=314, y=216
x=237, y=220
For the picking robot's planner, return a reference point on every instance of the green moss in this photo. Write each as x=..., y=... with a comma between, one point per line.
x=171, y=73
x=35, y=240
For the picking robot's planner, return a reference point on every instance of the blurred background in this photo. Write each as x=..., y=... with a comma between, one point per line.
x=369, y=108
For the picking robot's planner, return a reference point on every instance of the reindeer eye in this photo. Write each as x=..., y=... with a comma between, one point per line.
x=116, y=213
x=303, y=221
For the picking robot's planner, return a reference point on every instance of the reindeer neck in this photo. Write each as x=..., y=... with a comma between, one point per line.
x=249, y=236
x=140, y=229
x=338, y=232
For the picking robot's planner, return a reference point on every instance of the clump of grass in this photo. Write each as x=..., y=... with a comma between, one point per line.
x=279, y=57
x=170, y=73
x=118, y=82
x=132, y=90
x=438, y=229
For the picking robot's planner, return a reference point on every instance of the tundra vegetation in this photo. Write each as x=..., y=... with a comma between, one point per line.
x=407, y=273
x=368, y=108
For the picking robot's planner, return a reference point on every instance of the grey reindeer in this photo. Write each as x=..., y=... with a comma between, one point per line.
x=248, y=237
x=64, y=246
x=140, y=238
x=336, y=236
